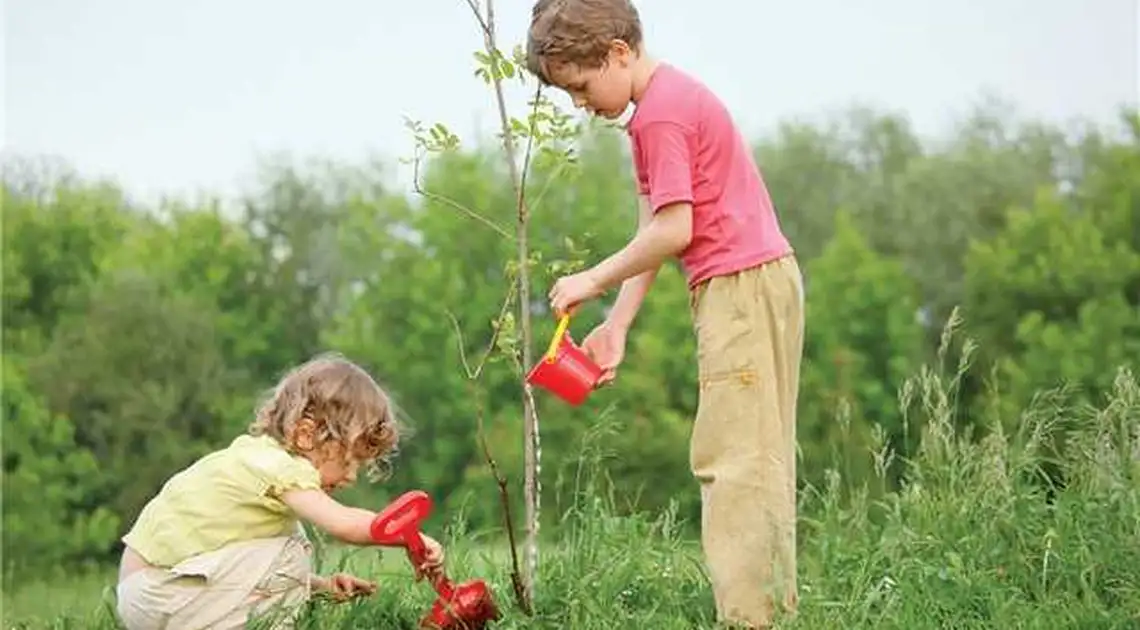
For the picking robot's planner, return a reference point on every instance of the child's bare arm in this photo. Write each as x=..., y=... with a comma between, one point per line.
x=667, y=233
x=345, y=523
x=349, y=524
x=633, y=290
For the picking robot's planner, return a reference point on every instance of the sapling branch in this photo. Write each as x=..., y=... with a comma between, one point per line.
x=447, y=201
x=505, y=502
x=546, y=186
x=485, y=25
x=504, y=496
x=474, y=374
x=521, y=199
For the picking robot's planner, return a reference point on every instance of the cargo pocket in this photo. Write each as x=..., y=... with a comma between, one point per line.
x=727, y=376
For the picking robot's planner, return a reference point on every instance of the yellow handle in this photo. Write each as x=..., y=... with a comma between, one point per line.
x=559, y=332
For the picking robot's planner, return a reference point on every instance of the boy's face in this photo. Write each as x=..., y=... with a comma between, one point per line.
x=604, y=91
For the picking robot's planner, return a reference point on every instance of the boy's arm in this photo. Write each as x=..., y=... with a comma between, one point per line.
x=668, y=219
x=633, y=290
x=667, y=233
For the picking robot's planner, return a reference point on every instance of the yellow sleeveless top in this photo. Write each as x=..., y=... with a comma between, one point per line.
x=227, y=496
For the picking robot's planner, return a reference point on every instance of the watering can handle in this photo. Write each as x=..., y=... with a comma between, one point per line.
x=559, y=332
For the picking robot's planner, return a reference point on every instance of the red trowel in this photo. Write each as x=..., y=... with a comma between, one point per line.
x=467, y=606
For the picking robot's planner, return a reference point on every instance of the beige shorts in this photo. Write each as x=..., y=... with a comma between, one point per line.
x=266, y=579
x=750, y=330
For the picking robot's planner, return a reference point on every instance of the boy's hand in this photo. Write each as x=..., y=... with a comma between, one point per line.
x=606, y=346
x=343, y=586
x=433, y=564
x=571, y=290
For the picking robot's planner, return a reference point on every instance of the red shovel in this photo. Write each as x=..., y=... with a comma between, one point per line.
x=467, y=606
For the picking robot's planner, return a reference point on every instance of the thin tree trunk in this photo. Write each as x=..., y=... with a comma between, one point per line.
x=531, y=450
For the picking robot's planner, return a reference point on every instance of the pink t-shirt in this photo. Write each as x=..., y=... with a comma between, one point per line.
x=686, y=148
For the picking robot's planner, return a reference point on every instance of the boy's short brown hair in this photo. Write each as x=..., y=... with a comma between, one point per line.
x=578, y=32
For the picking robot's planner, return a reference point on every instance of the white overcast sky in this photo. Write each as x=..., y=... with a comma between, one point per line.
x=175, y=96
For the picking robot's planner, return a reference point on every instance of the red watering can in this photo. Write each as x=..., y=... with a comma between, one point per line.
x=565, y=370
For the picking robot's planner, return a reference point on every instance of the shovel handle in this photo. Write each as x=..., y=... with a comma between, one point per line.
x=398, y=525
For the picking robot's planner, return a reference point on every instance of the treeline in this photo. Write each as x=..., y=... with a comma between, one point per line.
x=138, y=338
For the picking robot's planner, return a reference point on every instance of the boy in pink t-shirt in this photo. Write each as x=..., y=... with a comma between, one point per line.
x=702, y=200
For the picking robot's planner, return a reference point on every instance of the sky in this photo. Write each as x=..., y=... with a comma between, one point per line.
x=186, y=96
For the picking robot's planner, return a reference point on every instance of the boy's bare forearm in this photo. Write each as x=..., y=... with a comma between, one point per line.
x=633, y=290
x=630, y=298
x=635, y=266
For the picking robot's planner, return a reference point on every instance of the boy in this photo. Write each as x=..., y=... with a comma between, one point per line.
x=702, y=200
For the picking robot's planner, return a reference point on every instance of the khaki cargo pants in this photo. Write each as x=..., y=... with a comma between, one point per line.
x=749, y=328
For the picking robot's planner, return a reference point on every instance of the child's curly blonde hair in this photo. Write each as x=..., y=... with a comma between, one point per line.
x=344, y=401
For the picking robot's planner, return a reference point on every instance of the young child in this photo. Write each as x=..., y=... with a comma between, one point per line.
x=222, y=541
x=702, y=200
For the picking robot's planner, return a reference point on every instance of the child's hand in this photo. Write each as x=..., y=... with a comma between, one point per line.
x=433, y=564
x=606, y=346
x=343, y=586
x=571, y=290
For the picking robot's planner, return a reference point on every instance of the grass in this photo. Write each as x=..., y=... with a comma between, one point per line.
x=974, y=539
